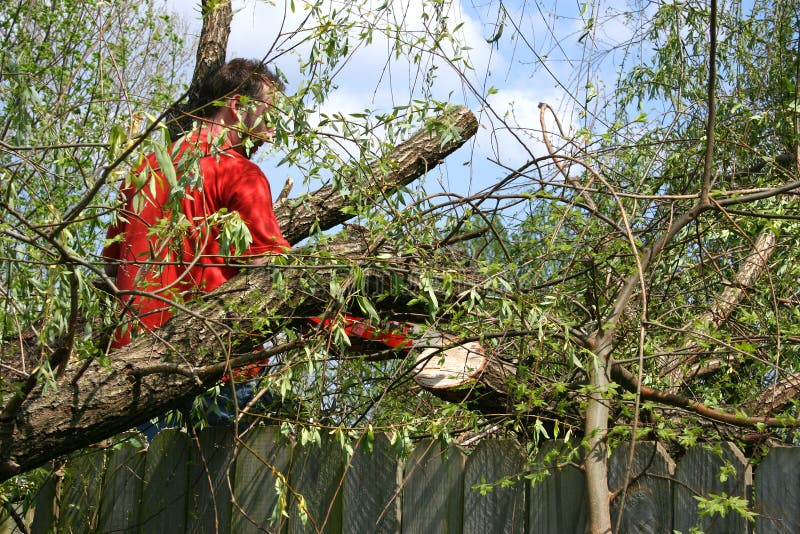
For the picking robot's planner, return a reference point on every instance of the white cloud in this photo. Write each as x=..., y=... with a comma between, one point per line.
x=514, y=134
x=374, y=78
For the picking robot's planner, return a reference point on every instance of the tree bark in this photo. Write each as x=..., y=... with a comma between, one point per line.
x=186, y=356
x=211, y=49
x=596, y=430
x=777, y=396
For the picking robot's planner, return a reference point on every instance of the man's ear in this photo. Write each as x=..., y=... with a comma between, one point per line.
x=229, y=113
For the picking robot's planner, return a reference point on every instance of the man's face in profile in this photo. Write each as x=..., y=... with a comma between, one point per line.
x=255, y=126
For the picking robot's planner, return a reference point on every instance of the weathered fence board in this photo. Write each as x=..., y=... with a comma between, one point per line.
x=646, y=502
x=45, y=513
x=80, y=492
x=264, y=455
x=122, y=489
x=372, y=489
x=777, y=491
x=209, y=496
x=216, y=484
x=703, y=472
x=165, y=483
x=433, y=489
x=557, y=502
x=317, y=474
x=502, y=509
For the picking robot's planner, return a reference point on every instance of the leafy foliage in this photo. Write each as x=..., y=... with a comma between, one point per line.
x=78, y=78
x=622, y=247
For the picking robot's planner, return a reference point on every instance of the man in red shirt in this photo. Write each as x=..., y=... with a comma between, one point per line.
x=165, y=245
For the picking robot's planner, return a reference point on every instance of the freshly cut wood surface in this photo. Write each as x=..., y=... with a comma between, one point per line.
x=451, y=367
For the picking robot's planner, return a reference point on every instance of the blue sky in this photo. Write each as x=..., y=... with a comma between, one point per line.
x=544, y=61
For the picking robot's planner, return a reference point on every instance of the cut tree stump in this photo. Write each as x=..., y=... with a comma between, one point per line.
x=463, y=373
x=448, y=368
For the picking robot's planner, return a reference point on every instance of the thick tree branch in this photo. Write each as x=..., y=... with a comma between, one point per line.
x=596, y=430
x=777, y=396
x=627, y=380
x=211, y=49
x=754, y=266
x=107, y=400
x=191, y=352
x=409, y=160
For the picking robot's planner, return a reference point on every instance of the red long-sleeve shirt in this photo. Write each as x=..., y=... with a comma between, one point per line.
x=175, y=267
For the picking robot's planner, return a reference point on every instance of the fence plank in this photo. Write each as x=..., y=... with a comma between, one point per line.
x=163, y=506
x=698, y=474
x=372, y=489
x=265, y=453
x=80, y=492
x=437, y=494
x=648, y=499
x=209, y=496
x=777, y=491
x=122, y=488
x=45, y=504
x=433, y=490
x=503, y=508
x=317, y=475
x=557, y=503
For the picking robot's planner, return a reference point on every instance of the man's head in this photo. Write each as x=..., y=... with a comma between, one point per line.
x=238, y=95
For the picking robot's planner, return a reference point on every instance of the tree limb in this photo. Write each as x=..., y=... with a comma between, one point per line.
x=627, y=380
x=211, y=49
x=110, y=399
x=409, y=160
x=754, y=266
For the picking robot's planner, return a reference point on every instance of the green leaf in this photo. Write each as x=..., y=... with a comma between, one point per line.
x=367, y=308
x=166, y=165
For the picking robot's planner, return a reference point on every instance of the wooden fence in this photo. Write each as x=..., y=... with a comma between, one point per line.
x=171, y=487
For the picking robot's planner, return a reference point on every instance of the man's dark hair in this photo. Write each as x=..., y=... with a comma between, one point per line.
x=237, y=76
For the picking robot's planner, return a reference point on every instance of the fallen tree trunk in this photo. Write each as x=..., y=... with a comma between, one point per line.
x=153, y=373
x=194, y=349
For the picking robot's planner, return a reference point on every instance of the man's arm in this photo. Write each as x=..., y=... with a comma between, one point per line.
x=251, y=197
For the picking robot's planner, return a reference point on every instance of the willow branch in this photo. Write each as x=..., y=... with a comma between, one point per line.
x=711, y=104
x=406, y=163
x=753, y=267
x=628, y=381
